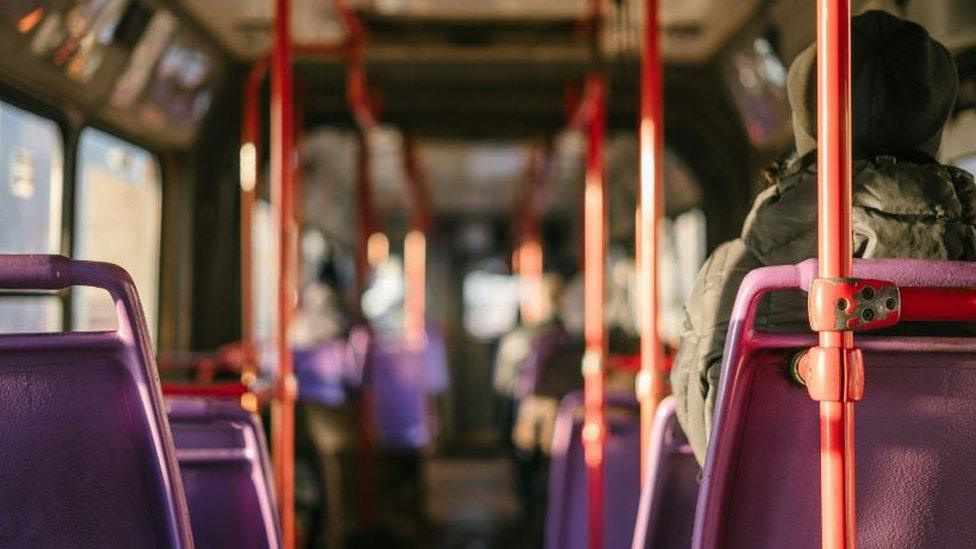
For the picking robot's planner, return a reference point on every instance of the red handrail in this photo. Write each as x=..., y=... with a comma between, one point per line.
x=835, y=253
x=250, y=162
x=528, y=260
x=651, y=385
x=233, y=389
x=282, y=172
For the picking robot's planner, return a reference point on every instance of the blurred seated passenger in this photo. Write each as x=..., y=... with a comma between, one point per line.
x=906, y=204
x=513, y=350
x=328, y=418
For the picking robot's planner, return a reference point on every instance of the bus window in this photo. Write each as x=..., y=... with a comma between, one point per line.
x=264, y=265
x=31, y=165
x=117, y=219
x=491, y=303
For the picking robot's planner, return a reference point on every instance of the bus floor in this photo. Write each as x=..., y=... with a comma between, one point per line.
x=472, y=504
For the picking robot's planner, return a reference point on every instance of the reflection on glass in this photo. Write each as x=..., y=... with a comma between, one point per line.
x=757, y=79
x=179, y=90
x=75, y=38
x=31, y=165
x=117, y=220
x=132, y=83
x=23, y=14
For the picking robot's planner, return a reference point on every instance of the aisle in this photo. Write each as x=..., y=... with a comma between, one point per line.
x=472, y=503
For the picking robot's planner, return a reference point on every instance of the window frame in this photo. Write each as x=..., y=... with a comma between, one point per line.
x=68, y=139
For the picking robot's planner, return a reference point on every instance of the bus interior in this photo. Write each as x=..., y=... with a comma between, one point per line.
x=411, y=273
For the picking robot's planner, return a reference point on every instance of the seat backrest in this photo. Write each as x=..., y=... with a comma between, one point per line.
x=566, y=511
x=395, y=378
x=87, y=455
x=915, y=431
x=666, y=517
x=226, y=474
x=322, y=372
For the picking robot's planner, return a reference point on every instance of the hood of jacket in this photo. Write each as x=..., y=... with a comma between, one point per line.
x=904, y=86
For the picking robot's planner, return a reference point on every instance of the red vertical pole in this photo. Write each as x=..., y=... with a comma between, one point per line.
x=834, y=215
x=594, y=268
x=282, y=170
x=651, y=386
x=250, y=162
x=528, y=251
x=415, y=248
x=365, y=222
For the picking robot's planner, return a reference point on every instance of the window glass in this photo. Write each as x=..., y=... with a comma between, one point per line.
x=31, y=165
x=265, y=290
x=117, y=220
x=491, y=303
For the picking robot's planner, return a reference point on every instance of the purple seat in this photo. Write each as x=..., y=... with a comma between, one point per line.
x=566, y=512
x=666, y=517
x=395, y=376
x=322, y=372
x=87, y=456
x=915, y=429
x=400, y=380
x=226, y=474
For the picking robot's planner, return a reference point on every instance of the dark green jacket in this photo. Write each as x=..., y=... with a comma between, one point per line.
x=902, y=209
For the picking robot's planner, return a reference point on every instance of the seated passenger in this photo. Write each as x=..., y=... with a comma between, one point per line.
x=906, y=204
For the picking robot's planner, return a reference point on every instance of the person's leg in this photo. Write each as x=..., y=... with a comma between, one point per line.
x=329, y=430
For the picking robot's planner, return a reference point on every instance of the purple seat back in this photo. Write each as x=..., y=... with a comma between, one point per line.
x=915, y=429
x=226, y=474
x=398, y=395
x=400, y=379
x=666, y=517
x=87, y=455
x=566, y=512
x=322, y=372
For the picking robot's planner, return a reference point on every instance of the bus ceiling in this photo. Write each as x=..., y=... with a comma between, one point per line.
x=151, y=69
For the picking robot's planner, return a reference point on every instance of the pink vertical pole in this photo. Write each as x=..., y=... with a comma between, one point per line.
x=835, y=253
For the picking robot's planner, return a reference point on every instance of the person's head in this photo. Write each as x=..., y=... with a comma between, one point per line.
x=904, y=86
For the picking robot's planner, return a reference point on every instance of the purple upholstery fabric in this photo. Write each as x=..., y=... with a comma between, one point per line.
x=395, y=376
x=322, y=372
x=400, y=380
x=566, y=513
x=915, y=429
x=437, y=366
x=226, y=474
x=87, y=455
x=666, y=517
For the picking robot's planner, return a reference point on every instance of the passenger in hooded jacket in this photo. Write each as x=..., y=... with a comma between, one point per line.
x=905, y=203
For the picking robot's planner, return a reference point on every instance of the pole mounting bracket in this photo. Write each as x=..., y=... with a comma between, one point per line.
x=832, y=374
x=853, y=304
